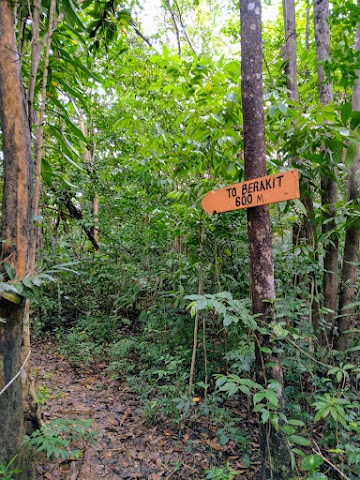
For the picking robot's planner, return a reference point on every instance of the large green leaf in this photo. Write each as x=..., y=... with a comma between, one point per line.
x=71, y=15
x=74, y=129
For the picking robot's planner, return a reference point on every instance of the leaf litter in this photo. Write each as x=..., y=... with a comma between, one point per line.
x=126, y=447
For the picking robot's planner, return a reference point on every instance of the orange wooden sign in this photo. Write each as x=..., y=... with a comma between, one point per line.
x=253, y=193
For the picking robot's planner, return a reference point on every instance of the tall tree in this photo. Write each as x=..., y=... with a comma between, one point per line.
x=352, y=239
x=16, y=244
x=328, y=182
x=290, y=48
x=305, y=230
x=39, y=120
x=274, y=445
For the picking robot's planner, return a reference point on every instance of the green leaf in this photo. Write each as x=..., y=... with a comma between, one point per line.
x=74, y=129
x=280, y=331
x=336, y=147
x=218, y=306
x=194, y=297
x=282, y=107
x=72, y=92
x=355, y=120
x=226, y=295
x=258, y=397
x=265, y=414
x=344, y=131
x=58, y=134
x=288, y=429
x=350, y=154
x=230, y=388
x=266, y=350
x=72, y=162
x=300, y=206
x=66, y=149
x=71, y=15
x=75, y=62
x=272, y=397
x=231, y=97
x=47, y=172
x=8, y=287
x=299, y=452
x=345, y=112
x=229, y=320
x=317, y=476
x=11, y=297
x=297, y=440
x=201, y=304
x=244, y=389
x=27, y=282
x=9, y=270
x=322, y=413
x=296, y=423
x=311, y=462
x=232, y=70
x=250, y=383
x=220, y=380
x=215, y=117
x=68, y=184
x=47, y=277
x=37, y=281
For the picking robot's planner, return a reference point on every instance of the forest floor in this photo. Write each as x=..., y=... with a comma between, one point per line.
x=126, y=446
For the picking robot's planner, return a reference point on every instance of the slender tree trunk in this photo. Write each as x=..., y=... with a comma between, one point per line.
x=290, y=48
x=352, y=238
x=35, y=60
x=39, y=143
x=177, y=33
x=200, y=292
x=37, y=47
x=328, y=184
x=184, y=28
x=305, y=230
x=276, y=462
x=16, y=235
x=89, y=157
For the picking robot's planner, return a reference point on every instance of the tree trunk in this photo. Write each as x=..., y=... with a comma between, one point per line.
x=352, y=238
x=16, y=236
x=290, y=48
x=328, y=184
x=35, y=60
x=276, y=462
x=200, y=292
x=89, y=158
x=39, y=143
x=305, y=230
x=177, y=33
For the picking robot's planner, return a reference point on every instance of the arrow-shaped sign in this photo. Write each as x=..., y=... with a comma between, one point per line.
x=253, y=193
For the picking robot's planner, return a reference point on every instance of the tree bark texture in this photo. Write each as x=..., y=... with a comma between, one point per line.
x=39, y=143
x=89, y=158
x=322, y=38
x=328, y=184
x=305, y=230
x=276, y=462
x=16, y=235
x=352, y=238
x=290, y=48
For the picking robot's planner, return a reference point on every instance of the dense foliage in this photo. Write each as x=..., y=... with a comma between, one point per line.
x=134, y=135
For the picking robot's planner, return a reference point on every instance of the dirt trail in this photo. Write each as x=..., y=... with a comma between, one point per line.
x=126, y=448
